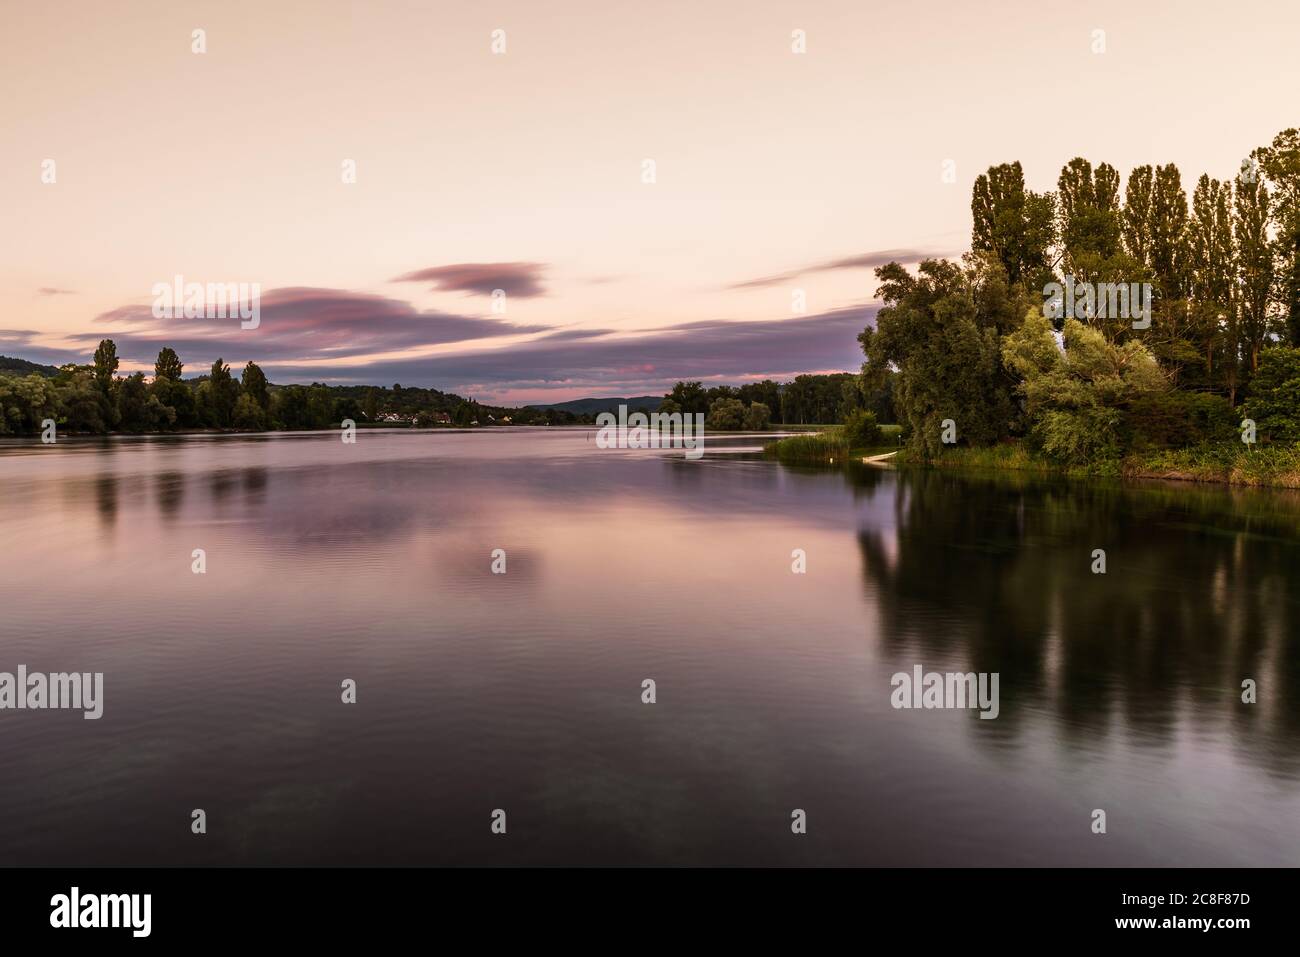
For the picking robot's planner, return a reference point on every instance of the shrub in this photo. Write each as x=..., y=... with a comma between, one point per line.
x=758, y=416
x=861, y=429
x=1178, y=419
x=822, y=448
x=726, y=415
x=1274, y=401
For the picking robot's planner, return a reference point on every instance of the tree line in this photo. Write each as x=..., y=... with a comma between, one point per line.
x=805, y=400
x=93, y=398
x=971, y=349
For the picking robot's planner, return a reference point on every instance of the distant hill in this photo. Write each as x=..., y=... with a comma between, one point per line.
x=9, y=366
x=646, y=403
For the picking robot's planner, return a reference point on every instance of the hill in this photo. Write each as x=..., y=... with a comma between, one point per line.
x=594, y=406
x=20, y=367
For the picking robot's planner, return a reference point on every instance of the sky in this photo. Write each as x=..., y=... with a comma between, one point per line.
x=780, y=178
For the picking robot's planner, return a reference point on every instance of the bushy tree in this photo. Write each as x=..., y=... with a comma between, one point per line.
x=757, y=417
x=1076, y=396
x=248, y=416
x=254, y=384
x=940, y=331
x=219, y=395
x=726, y=415
x=26, y=402
x=690, y=397
x=1274, y=401
x=861, y=430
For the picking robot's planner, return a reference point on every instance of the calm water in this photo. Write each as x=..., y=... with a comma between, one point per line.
x=523, y=691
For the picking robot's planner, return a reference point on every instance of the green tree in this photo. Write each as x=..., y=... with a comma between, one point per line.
x=1014, y=224
x=861, y=430
x=940, y=331
x=248, y=415
x=255, y=385
x=1154, y=225
x=1280, y=164
x=168, y=365
x=1075, y=398
x=726, y=415
x=1089, y=218
x=222, y=394
x=1211, y=283
x=105, y=365
x=766, y=392
x=690, y=397
x=1274, y=401
x=757, y=417
x=1254, y=264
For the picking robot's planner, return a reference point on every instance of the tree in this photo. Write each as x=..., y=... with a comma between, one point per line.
x=1014, y=224
x=168, y=365
x=248, y=415
x=757, y=417
x=1089, y=217
x=1280, y=164
x=26, y=402
x=105, y=365
x=83, y=407
x=1211, y=282
x=1274, y=401
x=861, y=430
x=940, y=330
x=1076, y=397
x=1155, y=220
x=766, y=392
x=1254, y=264
x=690, y=397
x=255, y=385
x=726, y=415
x=222, y=394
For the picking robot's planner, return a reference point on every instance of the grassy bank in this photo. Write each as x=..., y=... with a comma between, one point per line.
x=1227, y=463
x=829, y=447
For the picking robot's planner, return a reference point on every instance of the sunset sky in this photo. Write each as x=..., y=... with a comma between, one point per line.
x=523, y=171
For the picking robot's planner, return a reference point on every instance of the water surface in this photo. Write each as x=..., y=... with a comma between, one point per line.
x=523, y=691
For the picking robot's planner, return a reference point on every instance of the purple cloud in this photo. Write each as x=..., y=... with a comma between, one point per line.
x=646, y=361
x=871, y=260
x=517, y=279
x=297, y=324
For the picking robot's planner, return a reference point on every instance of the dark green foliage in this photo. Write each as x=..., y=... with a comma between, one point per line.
x=1015, y=225
x=1274, y=401
x=941, y=331
x=1171, y=420
x=861, y=431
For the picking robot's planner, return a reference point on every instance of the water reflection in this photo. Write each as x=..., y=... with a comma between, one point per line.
x=1197, y=596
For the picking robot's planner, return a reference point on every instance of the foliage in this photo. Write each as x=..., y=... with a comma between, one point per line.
x=940, y=330
x=1274, y=401
x=861, y=429
x=726, y=415
x=1076, y=397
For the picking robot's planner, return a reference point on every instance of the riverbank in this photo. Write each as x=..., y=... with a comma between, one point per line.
x=1228, y=463
x=1273, y=466
x=830, y=447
